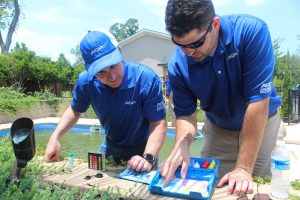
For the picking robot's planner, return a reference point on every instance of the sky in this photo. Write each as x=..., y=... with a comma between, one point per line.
x=51, y=27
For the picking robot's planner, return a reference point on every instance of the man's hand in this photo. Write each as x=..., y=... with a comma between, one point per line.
x=180, y=156
x=138, y=163
x=239, y=182
x=52, y=152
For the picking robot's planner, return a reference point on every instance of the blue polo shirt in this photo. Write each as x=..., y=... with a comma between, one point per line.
x=125, y=112
x=239, y=72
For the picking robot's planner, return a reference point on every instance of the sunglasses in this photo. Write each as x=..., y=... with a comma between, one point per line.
x=98, y=175
x=258, y=196
x=196, y=44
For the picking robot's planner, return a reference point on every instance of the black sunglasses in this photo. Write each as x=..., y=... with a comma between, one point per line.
x=196, y=44
x=98, y=175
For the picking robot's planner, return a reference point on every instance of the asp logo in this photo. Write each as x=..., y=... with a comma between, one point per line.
x=130, y=103
x=266, y=88
x=160, y=106
x=232, y=55
x=96, y=49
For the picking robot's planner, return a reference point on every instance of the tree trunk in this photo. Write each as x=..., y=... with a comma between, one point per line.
x=5, y=47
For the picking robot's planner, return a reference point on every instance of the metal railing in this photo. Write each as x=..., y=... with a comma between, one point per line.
x=294, y=105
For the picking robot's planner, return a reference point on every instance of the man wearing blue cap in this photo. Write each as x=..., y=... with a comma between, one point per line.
x=127, y=99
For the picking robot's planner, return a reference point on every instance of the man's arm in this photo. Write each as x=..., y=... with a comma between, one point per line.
x=240, y=179
x=68, y=119
x=180, y=155
x=155, y=141
x=157, y=137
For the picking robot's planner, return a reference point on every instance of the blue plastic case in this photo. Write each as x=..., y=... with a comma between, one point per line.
x=197, y=185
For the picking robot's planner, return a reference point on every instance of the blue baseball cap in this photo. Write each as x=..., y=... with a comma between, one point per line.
x=98, y=52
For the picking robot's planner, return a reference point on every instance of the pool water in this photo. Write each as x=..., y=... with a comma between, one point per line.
x=80, y=141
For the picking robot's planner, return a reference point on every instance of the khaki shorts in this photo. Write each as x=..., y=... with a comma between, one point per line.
x=224, y=145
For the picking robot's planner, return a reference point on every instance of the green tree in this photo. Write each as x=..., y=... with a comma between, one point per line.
x=9, y=19
x=63, y=60
x=295, y=68
x=286, y=86
x=298, y=38
x=77, y=54
x=122, y=31
x=279, y=60
x=20, y=69
x=77, y=70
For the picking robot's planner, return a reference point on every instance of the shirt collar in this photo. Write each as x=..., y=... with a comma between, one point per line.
x=128, y=78
x=226, y=34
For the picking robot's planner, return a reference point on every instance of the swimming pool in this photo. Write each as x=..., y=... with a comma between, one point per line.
x=80, y=140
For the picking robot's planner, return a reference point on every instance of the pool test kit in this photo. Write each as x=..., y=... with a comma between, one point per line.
x=200, y=179
x=96, y=161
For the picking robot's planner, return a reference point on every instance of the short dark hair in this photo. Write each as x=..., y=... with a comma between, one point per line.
x=183, y=16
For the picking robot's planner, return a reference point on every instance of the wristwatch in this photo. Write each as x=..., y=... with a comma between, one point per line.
x=150, y=158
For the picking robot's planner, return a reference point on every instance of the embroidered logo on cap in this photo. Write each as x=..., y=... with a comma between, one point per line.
x=96, y=50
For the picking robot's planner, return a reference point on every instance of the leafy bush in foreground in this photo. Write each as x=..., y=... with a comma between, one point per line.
x=32, y=187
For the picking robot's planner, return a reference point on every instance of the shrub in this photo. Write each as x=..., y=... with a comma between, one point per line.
x=12, y=100
x=48, y=97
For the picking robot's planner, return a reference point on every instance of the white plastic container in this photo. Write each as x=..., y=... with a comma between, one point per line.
x=280, y=168
x=70, y=160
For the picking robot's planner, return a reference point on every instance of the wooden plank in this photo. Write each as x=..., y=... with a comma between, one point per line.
x=109, y=182
x=77, y=178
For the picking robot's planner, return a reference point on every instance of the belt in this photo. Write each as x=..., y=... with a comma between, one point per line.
x=273, y=114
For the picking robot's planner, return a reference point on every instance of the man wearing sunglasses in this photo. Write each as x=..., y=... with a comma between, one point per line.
x=227, y=63
x=127, y=99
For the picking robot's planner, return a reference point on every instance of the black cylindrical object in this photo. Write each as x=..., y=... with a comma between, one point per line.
x=23, y=139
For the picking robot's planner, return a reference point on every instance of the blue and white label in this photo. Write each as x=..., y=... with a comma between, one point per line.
x=160, y=105
x=266, y=88
x=280, y=164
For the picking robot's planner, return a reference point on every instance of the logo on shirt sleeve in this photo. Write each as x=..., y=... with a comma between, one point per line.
x=130, y=102
x=266, y=88
x=160, y=106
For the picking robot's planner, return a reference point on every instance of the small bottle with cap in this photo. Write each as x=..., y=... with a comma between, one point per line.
x=70, y=160
x=196, y=165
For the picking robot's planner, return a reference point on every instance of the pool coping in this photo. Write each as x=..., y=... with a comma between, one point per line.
x=55, y=120
x=81, y=121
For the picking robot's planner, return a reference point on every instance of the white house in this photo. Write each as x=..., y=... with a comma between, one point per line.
x=151, y=48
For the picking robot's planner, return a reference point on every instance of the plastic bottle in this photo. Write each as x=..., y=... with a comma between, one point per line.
x=280, y=167
x=70, y=160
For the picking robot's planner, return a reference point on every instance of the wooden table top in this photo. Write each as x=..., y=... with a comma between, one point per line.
x=76, y=178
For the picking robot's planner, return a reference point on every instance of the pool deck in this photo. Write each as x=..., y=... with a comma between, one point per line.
x=76, y=177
